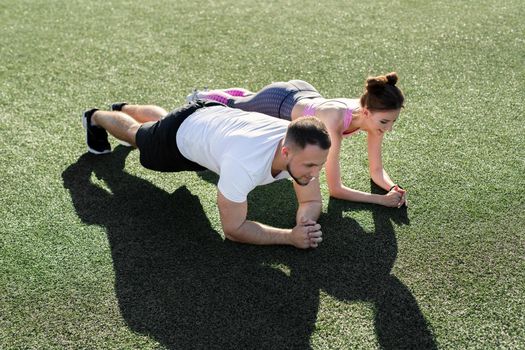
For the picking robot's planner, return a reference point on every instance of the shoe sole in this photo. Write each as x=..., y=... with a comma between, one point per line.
x=91, y=150
x=124, y=143
x=190, y=98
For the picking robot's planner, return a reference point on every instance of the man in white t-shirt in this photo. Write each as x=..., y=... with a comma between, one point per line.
x=246, y=149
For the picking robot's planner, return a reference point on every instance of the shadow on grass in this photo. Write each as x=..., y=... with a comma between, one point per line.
x=178, y=282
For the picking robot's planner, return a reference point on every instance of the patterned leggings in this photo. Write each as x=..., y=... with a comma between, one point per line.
x=276, y=99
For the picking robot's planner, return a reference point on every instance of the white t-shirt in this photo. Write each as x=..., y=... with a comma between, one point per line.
x=237, y=145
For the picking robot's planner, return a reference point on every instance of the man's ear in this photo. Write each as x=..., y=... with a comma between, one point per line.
x=285, y=152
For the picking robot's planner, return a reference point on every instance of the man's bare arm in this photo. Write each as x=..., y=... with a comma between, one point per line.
x=238, y=229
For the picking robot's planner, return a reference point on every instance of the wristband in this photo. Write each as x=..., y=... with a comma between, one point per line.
x=391, y=188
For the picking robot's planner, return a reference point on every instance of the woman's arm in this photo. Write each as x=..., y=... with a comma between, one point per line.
x=337, y=190
x=375, y=164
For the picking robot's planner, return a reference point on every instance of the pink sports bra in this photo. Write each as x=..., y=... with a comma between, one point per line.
x=309, y=110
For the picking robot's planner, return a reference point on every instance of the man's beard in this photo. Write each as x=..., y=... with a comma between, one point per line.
x=295, y=178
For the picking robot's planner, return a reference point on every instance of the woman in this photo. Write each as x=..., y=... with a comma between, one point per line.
x=374, y=113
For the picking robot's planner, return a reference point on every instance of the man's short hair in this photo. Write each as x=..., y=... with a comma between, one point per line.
x=307, y=131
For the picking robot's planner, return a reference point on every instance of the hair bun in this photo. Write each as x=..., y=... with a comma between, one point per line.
x=380, y=81
x=392, y=78
x=375, y=82
x=382, y=94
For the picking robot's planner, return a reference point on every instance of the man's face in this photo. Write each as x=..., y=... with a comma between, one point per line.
x=304, y=165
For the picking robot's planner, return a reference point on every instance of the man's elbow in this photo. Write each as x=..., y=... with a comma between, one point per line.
x=231, y=237
x=231, y=233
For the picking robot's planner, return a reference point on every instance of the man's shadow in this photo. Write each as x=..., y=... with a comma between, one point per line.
x=180, y=283
x=176, y=279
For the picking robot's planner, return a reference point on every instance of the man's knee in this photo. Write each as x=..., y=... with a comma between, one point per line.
x=132, y=134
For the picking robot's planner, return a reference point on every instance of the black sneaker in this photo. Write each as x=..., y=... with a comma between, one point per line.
x=96, y=137
x=117, y=106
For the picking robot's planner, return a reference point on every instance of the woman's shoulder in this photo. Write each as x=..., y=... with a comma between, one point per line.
x=338, y=104
x=346, y=103
x=333, y=118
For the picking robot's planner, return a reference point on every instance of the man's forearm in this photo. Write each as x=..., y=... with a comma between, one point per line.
x=253, y=232
x=309, y=211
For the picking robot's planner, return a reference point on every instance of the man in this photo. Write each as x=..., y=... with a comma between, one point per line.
x=245, y=149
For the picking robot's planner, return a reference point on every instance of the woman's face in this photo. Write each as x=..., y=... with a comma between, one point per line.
x=380, y=121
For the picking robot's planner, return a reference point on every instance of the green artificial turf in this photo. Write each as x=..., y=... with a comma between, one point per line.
x=99, y=253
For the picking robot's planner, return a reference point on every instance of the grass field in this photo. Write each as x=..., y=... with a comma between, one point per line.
x=99, y=253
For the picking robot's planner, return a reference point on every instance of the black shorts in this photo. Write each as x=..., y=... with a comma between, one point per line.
x=157, y=141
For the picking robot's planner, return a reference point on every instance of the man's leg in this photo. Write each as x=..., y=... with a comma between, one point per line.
x=144, y=113
x=141, y=113
x=118, y=124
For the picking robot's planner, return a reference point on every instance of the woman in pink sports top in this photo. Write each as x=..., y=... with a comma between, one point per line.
x=374, y=113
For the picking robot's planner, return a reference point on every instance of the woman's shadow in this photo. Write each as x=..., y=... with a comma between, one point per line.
x=179, y=282
x=355, y=265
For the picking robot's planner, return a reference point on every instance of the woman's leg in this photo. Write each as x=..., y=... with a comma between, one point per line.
x=276, y=99
x=268, y=100
x=215, y=95
x=238, y=92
